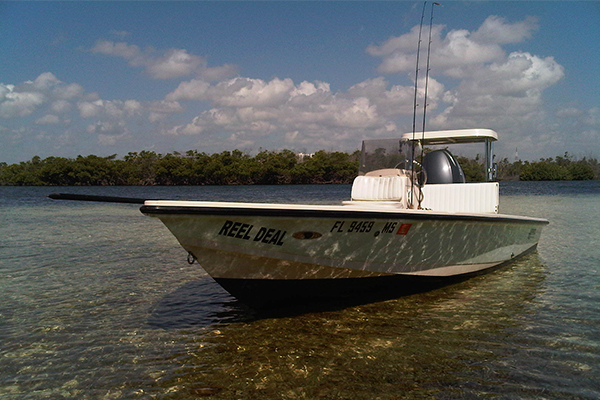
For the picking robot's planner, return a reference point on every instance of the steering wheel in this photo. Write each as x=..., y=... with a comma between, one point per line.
x=419, y=175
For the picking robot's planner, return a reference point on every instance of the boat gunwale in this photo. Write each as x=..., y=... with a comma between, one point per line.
x=321, y=211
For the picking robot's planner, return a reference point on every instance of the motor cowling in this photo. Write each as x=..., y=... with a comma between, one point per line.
x=441, y=167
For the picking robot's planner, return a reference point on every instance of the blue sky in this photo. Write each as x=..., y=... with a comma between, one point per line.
x=80, y=78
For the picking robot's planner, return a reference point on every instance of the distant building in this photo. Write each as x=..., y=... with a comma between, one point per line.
x=303, y=156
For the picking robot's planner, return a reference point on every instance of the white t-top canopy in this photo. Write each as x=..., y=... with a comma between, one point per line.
x=453, y=136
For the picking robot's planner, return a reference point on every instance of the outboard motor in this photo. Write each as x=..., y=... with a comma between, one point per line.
x=441, y=167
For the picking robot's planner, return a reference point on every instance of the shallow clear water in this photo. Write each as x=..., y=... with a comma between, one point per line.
x=98, y=302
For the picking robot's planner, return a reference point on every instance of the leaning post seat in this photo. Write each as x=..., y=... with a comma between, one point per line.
x=381, y=185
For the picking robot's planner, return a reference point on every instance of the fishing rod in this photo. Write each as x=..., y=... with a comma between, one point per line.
x=420, y=198
x=414, y=125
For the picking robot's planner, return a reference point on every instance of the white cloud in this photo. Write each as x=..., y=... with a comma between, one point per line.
x=196, y=89
x=306, y=89
x=404, y=43
x=17, y=101
x=398, y=99
x=89, y=109
x=520, y=74
x=132, y=107
x=61, y=106
x=246, y=109
x=109, y=108
x=48, y=119
x=357, y=113
x=569, y=112
x=512, y=88
x=496, y=30
x=4, y=90
x=68, y=92
x=51, y=102
x=474, y=82
x=580, y=119
x=458, y=51
x=131, y=53
x=108, y=128
x=161, y=109
x=490, y=88
x=173, y=63
x=246, y=92
x=45, y=81
x=19, y=104
x=593, y=117
x=237, y=92
x=111, y=140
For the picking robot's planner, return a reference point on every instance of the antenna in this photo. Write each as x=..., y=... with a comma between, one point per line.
x=426, y=87
x=415, y=106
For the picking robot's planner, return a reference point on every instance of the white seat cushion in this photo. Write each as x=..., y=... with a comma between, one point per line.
x=379, y=188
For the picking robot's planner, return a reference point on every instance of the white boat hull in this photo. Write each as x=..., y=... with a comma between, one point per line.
x=253, y=247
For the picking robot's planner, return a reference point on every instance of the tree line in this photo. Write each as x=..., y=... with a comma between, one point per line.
x=560, y=168
x=190, y=168
x=238, y=168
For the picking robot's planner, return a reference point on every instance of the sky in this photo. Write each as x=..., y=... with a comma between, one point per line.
x=111, y=77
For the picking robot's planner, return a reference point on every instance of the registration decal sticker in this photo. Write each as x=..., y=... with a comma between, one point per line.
x=403, y=230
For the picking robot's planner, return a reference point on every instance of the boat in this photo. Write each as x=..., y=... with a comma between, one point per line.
x=412, y=223
x=409, y=226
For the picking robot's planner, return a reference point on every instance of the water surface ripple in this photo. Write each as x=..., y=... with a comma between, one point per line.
x=98, y=302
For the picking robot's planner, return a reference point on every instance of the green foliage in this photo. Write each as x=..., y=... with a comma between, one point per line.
x=544, y=171
x=581, y=171
x=238, y=168
x=326, y=167
x=560, y=169
x=191, y=168
x=507, y=170
x=473, y=169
